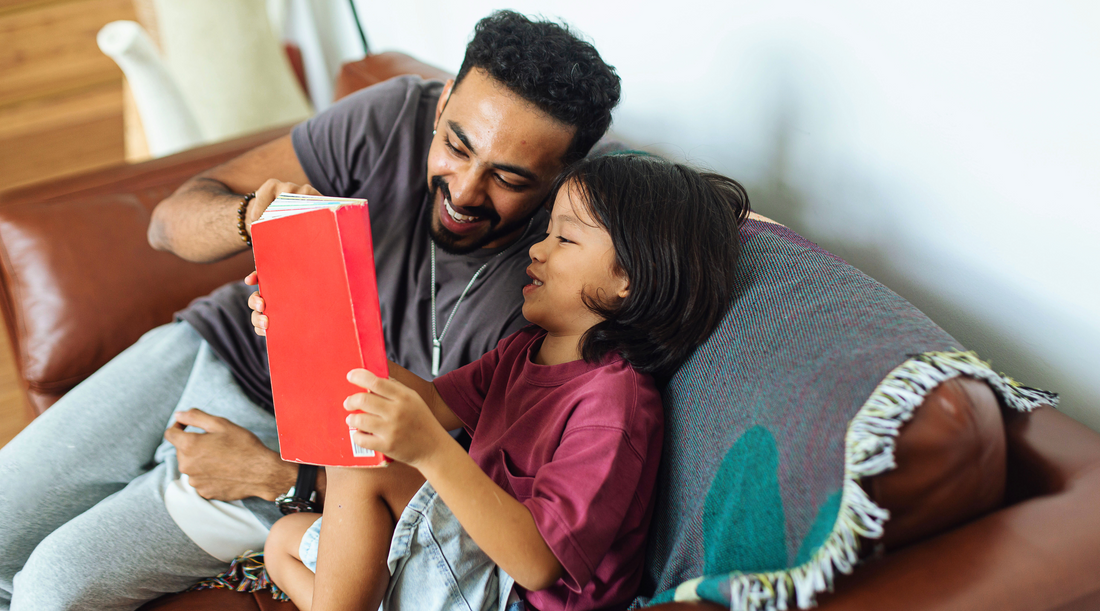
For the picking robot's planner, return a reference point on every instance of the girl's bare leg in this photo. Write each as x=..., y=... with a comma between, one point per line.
x=362, y=507
x=284, y=566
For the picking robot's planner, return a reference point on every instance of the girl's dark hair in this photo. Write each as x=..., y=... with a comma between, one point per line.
x=675, y=234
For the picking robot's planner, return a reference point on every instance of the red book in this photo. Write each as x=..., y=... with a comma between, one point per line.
x=315, y=261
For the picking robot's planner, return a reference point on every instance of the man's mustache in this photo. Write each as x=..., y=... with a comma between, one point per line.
x=438, y=184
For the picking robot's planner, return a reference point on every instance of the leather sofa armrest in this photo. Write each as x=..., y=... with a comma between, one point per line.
x=1040, y=553
x=951, y=461
x=78, y=279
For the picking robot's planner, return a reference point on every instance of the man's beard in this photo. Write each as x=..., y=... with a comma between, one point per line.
x=448, y=240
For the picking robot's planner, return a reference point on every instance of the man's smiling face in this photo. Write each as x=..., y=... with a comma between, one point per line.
x=491, y=163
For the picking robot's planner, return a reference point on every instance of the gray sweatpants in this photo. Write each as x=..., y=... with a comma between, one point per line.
x=83, y=524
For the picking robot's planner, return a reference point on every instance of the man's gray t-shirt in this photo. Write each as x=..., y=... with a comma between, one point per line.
x=374, y=144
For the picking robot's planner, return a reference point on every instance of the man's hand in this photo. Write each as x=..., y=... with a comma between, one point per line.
x=393, y=419
x=267, y=193
x=259, y=321
x=264, y=196
x=227, y=462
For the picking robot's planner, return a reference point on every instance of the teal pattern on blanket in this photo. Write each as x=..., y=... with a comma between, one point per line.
x=774, y=419
x=743, y=512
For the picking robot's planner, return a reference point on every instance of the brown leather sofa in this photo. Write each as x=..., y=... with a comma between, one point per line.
x=990, y=509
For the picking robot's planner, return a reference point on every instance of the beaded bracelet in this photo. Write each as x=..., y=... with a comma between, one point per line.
x=241, y=210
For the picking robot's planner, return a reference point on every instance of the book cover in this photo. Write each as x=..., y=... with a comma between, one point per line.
x=315, y=262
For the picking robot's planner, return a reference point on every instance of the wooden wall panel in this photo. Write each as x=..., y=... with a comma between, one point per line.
x=60, y=97
x=51, y=48
x=61, y=135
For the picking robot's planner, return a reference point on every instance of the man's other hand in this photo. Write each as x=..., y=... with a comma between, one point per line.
x=259, y=321
x=227, y=462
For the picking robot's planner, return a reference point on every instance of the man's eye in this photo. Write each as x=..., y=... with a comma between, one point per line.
x=453, y=148
x=509, y=185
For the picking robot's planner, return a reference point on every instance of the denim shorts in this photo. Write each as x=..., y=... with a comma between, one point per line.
x=433, y=563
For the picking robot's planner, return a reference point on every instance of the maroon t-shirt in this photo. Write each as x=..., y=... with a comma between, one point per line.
x=579, y=445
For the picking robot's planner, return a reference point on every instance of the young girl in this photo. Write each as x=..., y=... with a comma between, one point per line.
x=551, y=506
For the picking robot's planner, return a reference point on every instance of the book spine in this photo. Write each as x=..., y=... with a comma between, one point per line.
x=357, y=250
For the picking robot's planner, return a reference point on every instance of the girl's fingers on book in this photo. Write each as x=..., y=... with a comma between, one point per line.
x=364, y=439
x=367, y=402
x=360, y=421
x=365, y=378
x=356, y=402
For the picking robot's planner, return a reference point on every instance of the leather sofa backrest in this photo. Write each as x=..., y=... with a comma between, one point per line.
x=78, y=279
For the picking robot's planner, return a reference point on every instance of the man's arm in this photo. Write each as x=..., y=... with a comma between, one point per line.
x=199, y=221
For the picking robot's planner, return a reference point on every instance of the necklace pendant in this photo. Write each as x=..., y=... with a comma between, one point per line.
x=437, y=353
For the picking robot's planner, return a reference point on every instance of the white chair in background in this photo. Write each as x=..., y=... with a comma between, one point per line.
x=220, y=73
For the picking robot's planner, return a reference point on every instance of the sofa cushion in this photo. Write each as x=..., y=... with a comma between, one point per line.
x=775, y=419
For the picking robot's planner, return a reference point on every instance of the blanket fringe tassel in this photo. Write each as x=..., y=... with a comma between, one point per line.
x=246, y=573
x=869, y=451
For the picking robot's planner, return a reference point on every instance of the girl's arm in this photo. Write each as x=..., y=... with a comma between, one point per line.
x=397, y=421
x=501, y=526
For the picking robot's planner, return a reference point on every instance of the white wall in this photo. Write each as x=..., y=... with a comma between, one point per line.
x=950, y=149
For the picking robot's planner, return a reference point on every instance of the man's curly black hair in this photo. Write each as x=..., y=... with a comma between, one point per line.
x=546, y=64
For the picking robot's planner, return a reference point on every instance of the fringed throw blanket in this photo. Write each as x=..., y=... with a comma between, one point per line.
x=773, y=421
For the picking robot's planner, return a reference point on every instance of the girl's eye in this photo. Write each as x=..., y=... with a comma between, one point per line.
x=564, y=240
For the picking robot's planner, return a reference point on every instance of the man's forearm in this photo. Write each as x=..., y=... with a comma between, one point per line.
x=198, y=222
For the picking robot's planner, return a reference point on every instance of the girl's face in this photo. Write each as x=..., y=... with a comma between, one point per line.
x=576, y=258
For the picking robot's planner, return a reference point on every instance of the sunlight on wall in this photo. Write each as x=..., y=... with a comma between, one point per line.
x=947, y=149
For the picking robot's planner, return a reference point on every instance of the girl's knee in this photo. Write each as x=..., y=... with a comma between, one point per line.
x=286, y=535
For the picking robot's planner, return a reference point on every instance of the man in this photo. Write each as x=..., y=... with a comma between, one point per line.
x=103, y=508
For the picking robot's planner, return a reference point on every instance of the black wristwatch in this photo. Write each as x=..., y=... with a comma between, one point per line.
x=302, y=497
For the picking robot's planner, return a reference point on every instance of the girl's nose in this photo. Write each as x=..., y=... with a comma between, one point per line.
x=537, y=249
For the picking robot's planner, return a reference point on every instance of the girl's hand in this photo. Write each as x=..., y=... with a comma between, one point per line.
x=395, y=420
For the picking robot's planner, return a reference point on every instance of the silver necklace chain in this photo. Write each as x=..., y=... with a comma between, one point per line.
x=437, y=340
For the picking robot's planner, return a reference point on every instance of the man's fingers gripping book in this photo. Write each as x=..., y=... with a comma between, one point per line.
x=315, y=262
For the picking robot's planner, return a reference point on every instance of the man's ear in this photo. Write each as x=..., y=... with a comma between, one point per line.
x=444, y=97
